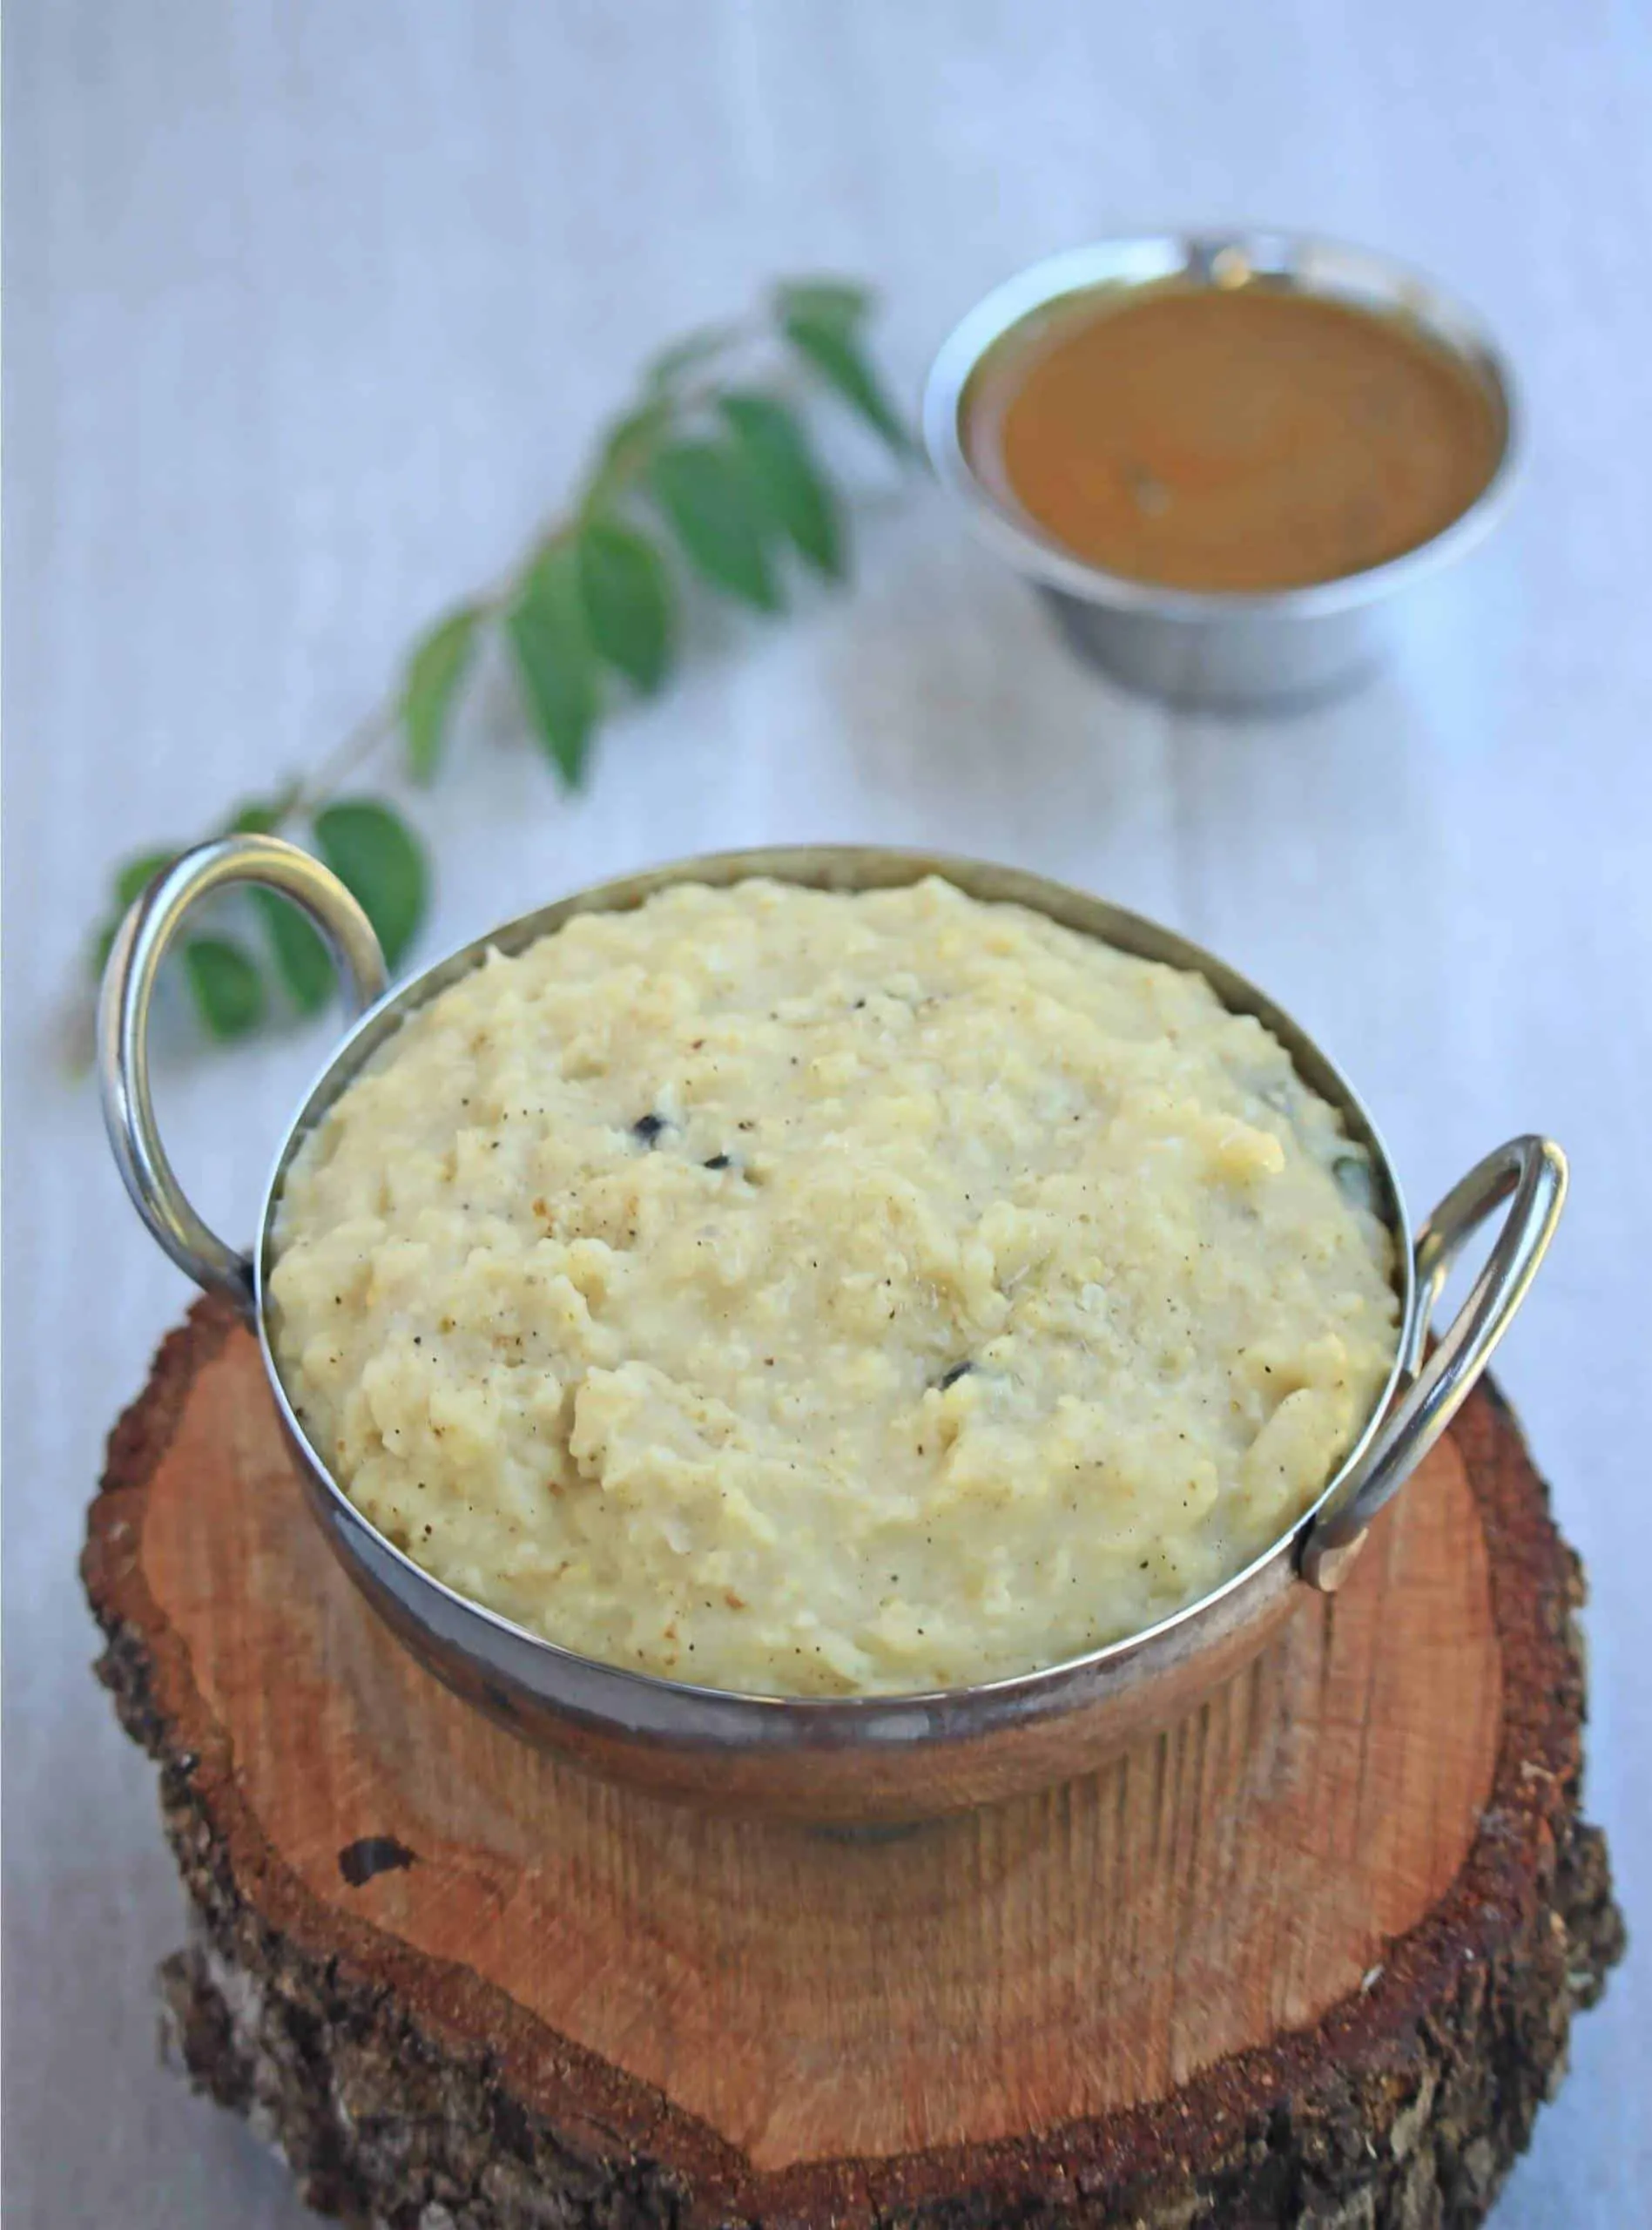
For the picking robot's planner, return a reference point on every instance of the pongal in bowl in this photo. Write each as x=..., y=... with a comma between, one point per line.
x=799, y=1292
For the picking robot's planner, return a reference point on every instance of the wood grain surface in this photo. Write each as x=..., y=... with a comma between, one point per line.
x=795, y=1997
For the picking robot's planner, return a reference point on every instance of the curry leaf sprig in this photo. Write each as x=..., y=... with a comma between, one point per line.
x=708, y=476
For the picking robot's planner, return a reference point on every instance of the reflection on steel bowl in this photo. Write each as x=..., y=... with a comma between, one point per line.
x=816, y=1292
x=1226, y=458
x=848, y=1757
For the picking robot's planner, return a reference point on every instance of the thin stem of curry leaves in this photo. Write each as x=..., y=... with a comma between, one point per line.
x=697, y=411
x=365, y=740
x=606, y=481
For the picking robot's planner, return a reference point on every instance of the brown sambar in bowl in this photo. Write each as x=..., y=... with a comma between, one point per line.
x=1246, y=438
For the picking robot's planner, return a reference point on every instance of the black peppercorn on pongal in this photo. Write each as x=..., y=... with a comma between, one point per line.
x=803, y=1293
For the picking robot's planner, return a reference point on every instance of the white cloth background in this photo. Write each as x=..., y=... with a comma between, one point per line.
x=312, y=310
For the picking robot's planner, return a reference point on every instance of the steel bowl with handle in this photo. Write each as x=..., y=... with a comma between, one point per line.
x=855, y=1760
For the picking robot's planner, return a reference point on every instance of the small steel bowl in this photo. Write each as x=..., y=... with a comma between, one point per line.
x=1216, y=648
x=859, y=1759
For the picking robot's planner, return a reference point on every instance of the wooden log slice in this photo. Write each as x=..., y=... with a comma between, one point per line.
x=1309, y=1958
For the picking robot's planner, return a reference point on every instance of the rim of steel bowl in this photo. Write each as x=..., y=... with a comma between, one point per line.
x=1150, y=262
x=672, y=1713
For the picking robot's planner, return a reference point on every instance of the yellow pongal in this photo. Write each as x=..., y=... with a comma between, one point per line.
x=806, y=1292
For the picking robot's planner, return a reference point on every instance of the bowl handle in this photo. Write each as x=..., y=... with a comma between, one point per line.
x=1530, y=1171
x=123, y=1024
